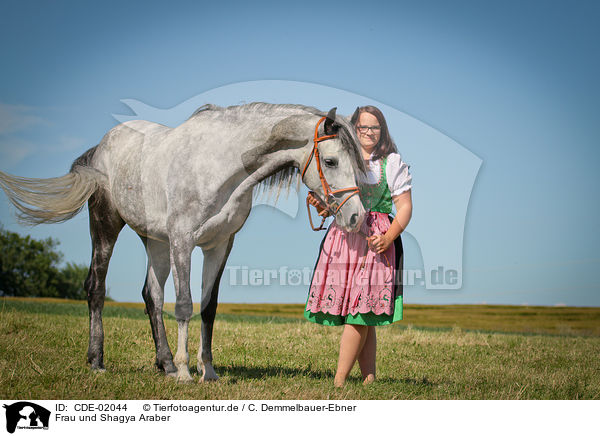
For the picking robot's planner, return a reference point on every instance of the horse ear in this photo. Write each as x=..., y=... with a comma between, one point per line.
x=353, y=119
x=329, y=122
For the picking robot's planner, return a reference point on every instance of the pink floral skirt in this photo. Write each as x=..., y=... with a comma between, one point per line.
x=349, y=277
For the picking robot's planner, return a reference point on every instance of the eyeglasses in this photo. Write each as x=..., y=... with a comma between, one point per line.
x=365, y=129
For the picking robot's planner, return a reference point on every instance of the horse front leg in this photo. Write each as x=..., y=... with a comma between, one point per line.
x=181, y=253
x=214, y=264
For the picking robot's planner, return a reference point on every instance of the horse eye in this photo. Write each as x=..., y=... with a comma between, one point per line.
x=331, y=163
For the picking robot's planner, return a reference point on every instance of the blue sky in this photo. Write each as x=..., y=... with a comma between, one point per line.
x=513, y=83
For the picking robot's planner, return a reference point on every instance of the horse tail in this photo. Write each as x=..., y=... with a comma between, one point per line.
x=56, y=199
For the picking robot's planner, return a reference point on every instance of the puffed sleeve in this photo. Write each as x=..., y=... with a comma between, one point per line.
x=398, y=177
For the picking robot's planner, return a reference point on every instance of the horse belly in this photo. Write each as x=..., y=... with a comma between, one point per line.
x=142, y=208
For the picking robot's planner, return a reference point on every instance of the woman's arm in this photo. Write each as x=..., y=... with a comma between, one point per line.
x=403, y=203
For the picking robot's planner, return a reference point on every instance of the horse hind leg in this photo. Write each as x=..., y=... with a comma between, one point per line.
x=214, y=264
x=105, y=225
x=153, y=294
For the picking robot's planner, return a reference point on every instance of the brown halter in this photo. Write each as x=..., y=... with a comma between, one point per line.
x=327, y=191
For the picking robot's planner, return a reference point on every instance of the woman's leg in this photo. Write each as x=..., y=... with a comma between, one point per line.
x=353, y=340
x=366, y=358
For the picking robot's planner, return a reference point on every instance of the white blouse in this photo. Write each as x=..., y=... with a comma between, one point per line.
x=398, y=177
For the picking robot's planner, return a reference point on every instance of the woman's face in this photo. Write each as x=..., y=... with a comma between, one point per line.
x=368, y=131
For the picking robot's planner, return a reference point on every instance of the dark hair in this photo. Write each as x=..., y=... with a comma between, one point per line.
x=386, y=144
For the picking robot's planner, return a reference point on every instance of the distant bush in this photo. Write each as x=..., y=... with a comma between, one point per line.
x=30, y=268
x=71, y=278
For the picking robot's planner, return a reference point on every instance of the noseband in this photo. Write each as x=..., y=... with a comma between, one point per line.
x=332, y=206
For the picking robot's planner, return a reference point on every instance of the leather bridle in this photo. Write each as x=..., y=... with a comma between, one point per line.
x=331, y=204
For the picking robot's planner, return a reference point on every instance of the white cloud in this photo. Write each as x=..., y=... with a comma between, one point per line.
x=68, y=143
x=14, y=150
x=15, y=118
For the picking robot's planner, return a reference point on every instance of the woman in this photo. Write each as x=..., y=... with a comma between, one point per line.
x=357, y=278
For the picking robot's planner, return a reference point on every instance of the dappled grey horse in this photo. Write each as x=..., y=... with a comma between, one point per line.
x=190, y=186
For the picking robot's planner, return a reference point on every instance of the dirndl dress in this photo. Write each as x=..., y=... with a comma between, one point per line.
x=351, y=284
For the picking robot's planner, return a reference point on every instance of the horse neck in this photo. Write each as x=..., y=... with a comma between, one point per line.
x=266, y=165
x=288, y=145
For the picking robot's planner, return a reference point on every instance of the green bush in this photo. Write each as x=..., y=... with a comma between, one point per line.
x=30, y=268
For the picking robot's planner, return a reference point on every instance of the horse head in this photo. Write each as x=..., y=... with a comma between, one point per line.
x=331, y=168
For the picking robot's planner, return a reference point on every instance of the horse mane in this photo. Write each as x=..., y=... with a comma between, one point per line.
x=290, y=176
x=258, y=107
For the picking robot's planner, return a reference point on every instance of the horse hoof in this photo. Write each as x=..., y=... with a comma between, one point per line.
x=209, y=378
x=168, y=368
x=96, y=366
x=208, y=373
x=98, y=370
x=183, y=377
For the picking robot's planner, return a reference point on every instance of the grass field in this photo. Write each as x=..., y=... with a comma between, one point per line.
x=270, y=352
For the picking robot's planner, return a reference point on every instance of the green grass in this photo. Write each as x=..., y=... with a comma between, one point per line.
x=269, y=352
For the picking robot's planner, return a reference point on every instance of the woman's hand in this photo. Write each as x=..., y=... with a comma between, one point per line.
x=321, y=208
x=379, y=243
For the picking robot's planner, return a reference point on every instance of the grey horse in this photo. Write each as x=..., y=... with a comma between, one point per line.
x=188, y=186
